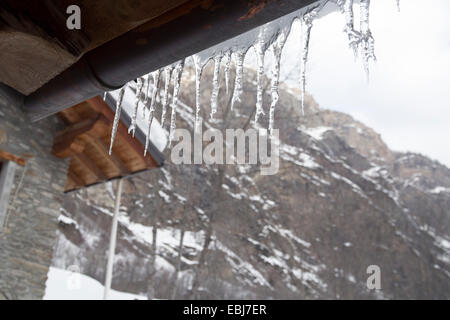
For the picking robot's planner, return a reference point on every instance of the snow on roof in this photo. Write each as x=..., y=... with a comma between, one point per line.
x=158, y=135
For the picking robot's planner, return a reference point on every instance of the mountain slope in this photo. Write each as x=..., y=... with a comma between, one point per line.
x=341, y=201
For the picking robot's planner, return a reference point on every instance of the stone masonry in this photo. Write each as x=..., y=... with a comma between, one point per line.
x=29, y=233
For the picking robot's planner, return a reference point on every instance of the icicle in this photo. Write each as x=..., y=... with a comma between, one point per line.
x=227, y=58
x=216, y=85
x=147, y=89
x=361, y=39
x=367, y=41
x=307, y=23
x=155, y=75
x=274, y=94
x=147, y=93
x=165, y=101
x=238, y=79
x=198, y=78
x=147, y=137
x=398, y=5
x=346, y=7
x=277, y=49
x=176, y=89
x=139, y=86
x=260, y=52
x=117, y=117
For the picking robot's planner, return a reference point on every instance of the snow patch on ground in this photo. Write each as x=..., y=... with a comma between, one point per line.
x=297, y=156
x=67, y=285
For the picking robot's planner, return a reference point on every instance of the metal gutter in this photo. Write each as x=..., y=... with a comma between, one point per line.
x=198, y=25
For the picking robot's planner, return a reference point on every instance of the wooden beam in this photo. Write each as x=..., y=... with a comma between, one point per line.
x=90, y=166
x=67, y=141
x=76, y=129
x=103, y=149
x=65, y=150
x=10, y=157
x=70, y=115
x=78, y=182
x=70, y=185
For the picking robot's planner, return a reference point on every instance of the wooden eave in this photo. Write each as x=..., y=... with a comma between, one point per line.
x=85, y=142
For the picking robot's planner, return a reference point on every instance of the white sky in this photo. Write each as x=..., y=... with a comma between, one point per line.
x=408, y=97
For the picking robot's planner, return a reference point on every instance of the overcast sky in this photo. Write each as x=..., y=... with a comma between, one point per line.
x=408, y=97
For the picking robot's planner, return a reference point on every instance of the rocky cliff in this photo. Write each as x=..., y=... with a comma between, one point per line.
x=341, y=201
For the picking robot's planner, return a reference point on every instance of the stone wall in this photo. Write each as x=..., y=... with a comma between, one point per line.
x=29, y=234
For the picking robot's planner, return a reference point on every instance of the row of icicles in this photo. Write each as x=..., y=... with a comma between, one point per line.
x=271, y=36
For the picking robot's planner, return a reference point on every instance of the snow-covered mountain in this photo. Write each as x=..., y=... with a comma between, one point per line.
x=342, y=201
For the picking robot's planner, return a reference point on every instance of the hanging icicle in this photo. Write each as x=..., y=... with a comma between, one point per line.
x=176, y=90
x=346, y=7
x=216, y=85
x=139, y=86
x=165, y=101
x=155, y=75
x=227, y=58
x=117, y=117
x=367, y=44
x=239, y=55
x=147, y=94
x=198, y=77
x=272, y=35
x=277, y=49
x=307, y=23
x=260, y=53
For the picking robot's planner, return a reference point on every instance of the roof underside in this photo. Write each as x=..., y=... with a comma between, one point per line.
x=85, y=142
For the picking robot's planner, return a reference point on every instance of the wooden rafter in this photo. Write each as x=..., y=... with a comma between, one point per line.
x=90, y=166
x=10, y=157
x=70, y=115
x=85, y=142
x=78, y=182
x=67, y=141
x=103, y=149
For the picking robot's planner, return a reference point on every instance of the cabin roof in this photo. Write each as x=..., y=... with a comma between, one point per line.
x=85, y=142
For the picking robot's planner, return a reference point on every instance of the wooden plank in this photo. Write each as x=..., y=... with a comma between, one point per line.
x=10, y=157
x=66, y=142
x=79, y=170
x=90, y=166
x=78, y=182
x=70, y=185
x=75, y=130
x=65, y=150
x=103, y=149
x=70, y=115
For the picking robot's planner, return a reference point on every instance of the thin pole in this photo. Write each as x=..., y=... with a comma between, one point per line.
x=112, y=241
